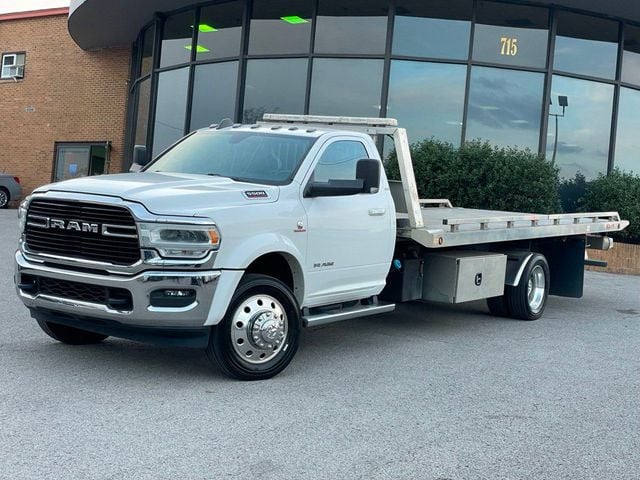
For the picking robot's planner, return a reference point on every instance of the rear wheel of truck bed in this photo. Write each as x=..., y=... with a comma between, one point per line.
x=259, y=335
x=70, y=335
x=527, y=300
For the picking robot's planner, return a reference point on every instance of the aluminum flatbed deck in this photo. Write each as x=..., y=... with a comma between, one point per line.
x=448, y=226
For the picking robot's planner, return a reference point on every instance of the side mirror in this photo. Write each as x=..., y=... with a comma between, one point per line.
x=333, y=188
x=368, y=170
x=140, y=158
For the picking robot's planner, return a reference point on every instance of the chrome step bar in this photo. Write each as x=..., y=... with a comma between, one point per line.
x=347, y=314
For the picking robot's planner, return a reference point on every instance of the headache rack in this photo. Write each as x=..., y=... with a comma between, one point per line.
x=435, y=223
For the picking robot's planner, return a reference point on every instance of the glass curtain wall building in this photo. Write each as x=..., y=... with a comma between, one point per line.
x=452, y=70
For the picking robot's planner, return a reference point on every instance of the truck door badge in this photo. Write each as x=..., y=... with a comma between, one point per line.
x=300, y=228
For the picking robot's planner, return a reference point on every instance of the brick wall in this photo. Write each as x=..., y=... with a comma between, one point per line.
x=67, y=95
x=622, y=258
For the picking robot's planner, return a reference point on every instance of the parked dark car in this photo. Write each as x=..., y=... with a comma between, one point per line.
x=10, y=189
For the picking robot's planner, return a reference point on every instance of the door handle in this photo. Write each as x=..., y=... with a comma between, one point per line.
x=377, y=212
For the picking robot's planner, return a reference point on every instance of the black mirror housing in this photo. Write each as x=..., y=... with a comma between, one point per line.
x=333, y=188
x=368, y=170
x=140, y=158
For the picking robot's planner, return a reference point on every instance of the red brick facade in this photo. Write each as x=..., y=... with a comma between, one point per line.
x=67, y=95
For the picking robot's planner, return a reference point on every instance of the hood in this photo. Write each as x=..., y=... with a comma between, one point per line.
x=170, y=193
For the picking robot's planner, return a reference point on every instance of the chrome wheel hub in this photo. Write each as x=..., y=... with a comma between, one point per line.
x=259, y=329
x=536, y=288
x=3, y=198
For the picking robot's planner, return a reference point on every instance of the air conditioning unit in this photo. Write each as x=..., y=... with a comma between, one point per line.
x=16, y=72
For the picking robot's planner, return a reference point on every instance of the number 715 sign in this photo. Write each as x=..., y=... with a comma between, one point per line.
x=508, y=46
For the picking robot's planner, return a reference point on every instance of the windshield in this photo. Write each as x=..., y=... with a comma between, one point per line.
x=240, y=155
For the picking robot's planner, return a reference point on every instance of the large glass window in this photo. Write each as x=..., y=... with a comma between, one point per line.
x=146, y=61
x=428, y=99
x=628, y=139
x=586, y=45
x=511, y=35
x=346, y=87
x=435, y=29
x=176, y=39
x=631, y=59
x=280, y=27
x=582, y=143
x=214, y=93
x=142, y=115
x=219, y=31
x=356, y=26
x=274, y=86
x=505, y=107
x=171, y=107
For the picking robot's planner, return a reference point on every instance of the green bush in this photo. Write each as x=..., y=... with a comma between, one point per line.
x=478, y=175
x=618, y=192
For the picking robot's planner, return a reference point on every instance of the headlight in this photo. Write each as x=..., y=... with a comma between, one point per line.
x=180, y=241
x=22, y=213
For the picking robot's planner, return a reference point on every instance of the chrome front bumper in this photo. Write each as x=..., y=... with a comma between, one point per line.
x=140, y=286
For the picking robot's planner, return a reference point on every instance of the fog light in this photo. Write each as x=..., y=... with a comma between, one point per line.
x=172, y=298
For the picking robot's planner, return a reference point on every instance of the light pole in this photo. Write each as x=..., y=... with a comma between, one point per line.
x=563, y=101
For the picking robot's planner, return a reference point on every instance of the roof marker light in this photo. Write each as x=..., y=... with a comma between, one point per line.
x=294, y=19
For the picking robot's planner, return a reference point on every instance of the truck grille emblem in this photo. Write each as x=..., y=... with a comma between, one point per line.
x=68, y=225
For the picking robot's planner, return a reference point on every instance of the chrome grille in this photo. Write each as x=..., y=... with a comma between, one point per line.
x=119, y=247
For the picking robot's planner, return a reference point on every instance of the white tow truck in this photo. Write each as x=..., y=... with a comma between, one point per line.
x=238, y=236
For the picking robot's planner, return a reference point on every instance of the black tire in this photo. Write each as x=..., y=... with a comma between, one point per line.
x=5, y=198
x=70, y=335
x=498, y=306
x=520, y=303
x=237, y=331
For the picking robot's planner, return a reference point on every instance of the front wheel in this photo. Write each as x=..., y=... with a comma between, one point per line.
x=259, y=335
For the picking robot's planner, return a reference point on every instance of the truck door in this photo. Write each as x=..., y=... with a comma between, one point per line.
x=350, y=237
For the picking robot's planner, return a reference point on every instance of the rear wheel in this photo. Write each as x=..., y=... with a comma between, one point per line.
x=259, y=335
x=70, y=335
x=528, y=299
x=4, y=197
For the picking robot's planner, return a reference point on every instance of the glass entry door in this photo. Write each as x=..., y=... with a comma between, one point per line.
x=80, y=160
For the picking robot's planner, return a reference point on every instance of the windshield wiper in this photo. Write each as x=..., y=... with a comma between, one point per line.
x=222, y=176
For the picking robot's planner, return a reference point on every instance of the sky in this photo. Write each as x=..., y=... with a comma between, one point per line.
x=11, y=6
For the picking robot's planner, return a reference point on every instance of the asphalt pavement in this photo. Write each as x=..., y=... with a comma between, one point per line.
x=429, y=392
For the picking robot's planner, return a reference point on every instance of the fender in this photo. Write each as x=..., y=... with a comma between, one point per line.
x=241, y=256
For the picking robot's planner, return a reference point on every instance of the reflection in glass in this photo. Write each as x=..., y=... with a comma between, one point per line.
x=214, y=93
x=142, y=115
x=219, y=31
x=280, y=26
x=171, y=106
x=428, y=99
x=584, y=131
x=357, y=26
x=586, y=45
x=505, y=107
x=146, y=63
x=435, y=29
x=628, y=138
x=177, y=37
x=346, y=87
x=511, y=35
x=631, y=59
x=274, y=86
